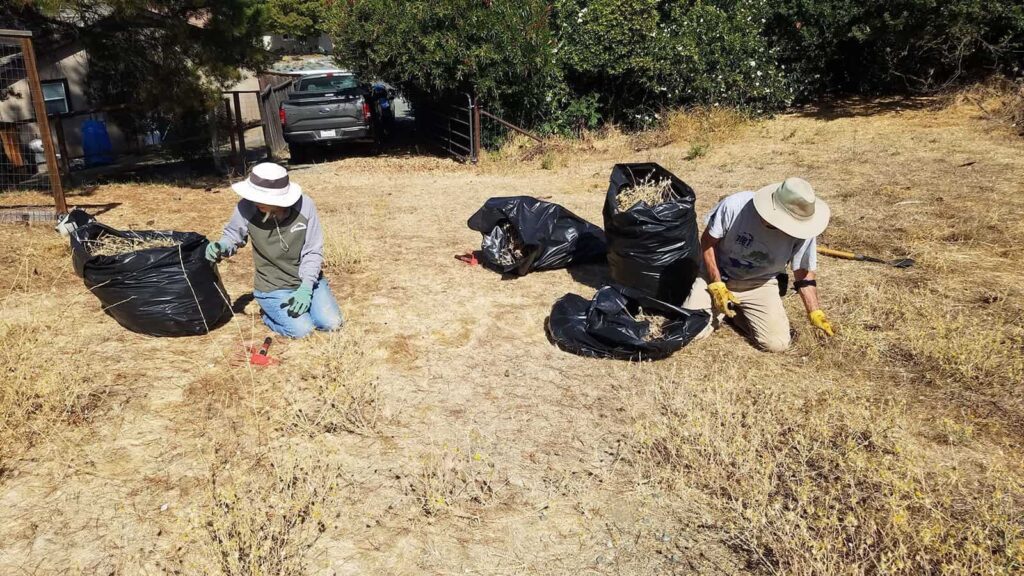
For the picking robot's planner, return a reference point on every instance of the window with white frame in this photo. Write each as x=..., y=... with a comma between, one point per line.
x=56, y=95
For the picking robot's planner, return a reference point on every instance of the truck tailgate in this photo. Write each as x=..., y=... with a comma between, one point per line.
x=323, y=112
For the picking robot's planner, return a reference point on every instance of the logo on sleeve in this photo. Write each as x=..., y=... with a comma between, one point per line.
x=297, y=227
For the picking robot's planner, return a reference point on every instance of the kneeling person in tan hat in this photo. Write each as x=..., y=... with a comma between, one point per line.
x=749, y=240
x=287, y=241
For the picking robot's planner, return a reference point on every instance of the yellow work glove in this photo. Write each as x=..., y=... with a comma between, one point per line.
x=820, y=322
x=721, y=297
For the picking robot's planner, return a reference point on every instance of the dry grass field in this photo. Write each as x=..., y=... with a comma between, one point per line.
x=441, y=433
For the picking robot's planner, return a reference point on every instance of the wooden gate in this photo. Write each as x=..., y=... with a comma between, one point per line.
x=249, y=109
x=24, y=126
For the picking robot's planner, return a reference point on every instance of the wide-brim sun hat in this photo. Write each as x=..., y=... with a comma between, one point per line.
x=793, y=207
x=268, y=183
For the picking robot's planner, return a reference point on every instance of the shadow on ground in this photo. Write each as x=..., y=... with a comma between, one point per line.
x=860, y=107
x=402, y=142
x=595, y=276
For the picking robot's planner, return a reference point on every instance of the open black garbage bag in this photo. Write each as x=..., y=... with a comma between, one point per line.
x=606, y=327
x=523, y=234
x=171, y=291
x=654, y=249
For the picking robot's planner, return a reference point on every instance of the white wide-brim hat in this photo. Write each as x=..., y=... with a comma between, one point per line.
x=792, y=207
x=268, y=184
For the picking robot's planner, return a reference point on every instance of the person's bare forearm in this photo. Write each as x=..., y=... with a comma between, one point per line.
x=809, y=294
x=707, y=246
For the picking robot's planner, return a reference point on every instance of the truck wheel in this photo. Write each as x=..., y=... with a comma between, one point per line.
x=299, y=153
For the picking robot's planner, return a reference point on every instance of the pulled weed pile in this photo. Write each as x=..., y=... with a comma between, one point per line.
x=648, y=191
x=655, y=324
x=117, y=245
x=512, y=253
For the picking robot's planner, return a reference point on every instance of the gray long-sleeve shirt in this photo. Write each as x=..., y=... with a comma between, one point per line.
x=286, y=252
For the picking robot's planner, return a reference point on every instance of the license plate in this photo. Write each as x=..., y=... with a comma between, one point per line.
x=328, y=133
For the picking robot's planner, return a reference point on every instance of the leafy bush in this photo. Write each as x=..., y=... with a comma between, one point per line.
x=572, y=64
x=641, y=56
x=500, y=52
x=895, y=45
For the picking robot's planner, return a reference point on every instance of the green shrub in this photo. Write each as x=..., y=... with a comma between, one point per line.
x=499, y=51
x=894, y=45
x=567, y=65
x=640, y=56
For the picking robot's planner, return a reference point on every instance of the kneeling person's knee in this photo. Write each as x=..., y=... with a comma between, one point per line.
x=774, y=342
x=329, y=323
x=299, y=328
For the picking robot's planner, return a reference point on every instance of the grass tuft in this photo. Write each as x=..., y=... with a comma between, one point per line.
x=828, y=483
x=457, y=481
x=339, y=390
x=263, y=520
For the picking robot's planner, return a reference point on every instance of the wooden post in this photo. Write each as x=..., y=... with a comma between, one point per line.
x=231, y=130
x=44, y=125
x=268, y=139
x=240, y=126
x=62, y=145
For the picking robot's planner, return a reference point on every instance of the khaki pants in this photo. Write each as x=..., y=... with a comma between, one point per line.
x=760, y=313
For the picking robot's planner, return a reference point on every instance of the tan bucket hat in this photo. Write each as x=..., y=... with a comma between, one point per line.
x=268, y=184
x=792, y=207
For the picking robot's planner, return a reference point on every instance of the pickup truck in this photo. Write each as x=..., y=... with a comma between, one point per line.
x=327, y=108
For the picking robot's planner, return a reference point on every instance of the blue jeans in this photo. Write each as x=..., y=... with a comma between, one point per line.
x=323, y=314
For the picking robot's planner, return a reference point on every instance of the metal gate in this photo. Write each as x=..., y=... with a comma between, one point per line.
x=449, y=127
x=27, y=155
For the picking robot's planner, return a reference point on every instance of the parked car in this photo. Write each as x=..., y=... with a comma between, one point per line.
x=328, y=108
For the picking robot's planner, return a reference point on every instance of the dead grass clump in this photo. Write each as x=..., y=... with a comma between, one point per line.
x=700, y=127
x=265, y=519
x=339, y=390
x=650, y=192
x=343, y=250
x=117, y=245
x=37, y=395
x=456, y=481
x=972, y=353
x=829, y=484
x=1000, y=99
x=967, y=354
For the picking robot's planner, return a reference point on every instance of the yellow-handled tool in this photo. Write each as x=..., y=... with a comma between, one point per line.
x=899, y=263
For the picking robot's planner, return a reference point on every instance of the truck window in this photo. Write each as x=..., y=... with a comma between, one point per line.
x=328, y=83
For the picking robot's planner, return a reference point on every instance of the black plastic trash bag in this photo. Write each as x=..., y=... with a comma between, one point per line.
x=654, y=249
x=171, y=291
x=522, y=234
x=607, y=325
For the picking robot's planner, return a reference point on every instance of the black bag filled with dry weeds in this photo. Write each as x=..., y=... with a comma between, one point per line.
x=651, y=224
x=523, y=234
x=152, y=282
x=624, y=324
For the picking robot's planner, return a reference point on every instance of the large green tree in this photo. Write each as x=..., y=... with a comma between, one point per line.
x=300, y=17
x=161, y=61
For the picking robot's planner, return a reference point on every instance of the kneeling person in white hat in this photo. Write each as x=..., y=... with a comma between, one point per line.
x=749, y=240
x=287, y=242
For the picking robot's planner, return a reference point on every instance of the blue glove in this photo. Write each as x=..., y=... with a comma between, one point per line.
x=300, y=301
x=214, y=251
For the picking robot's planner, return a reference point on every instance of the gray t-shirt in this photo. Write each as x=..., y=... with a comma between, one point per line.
x=749, y=250
x=286, y=252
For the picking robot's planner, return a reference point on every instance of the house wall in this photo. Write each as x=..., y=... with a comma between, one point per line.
x=72, y=64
